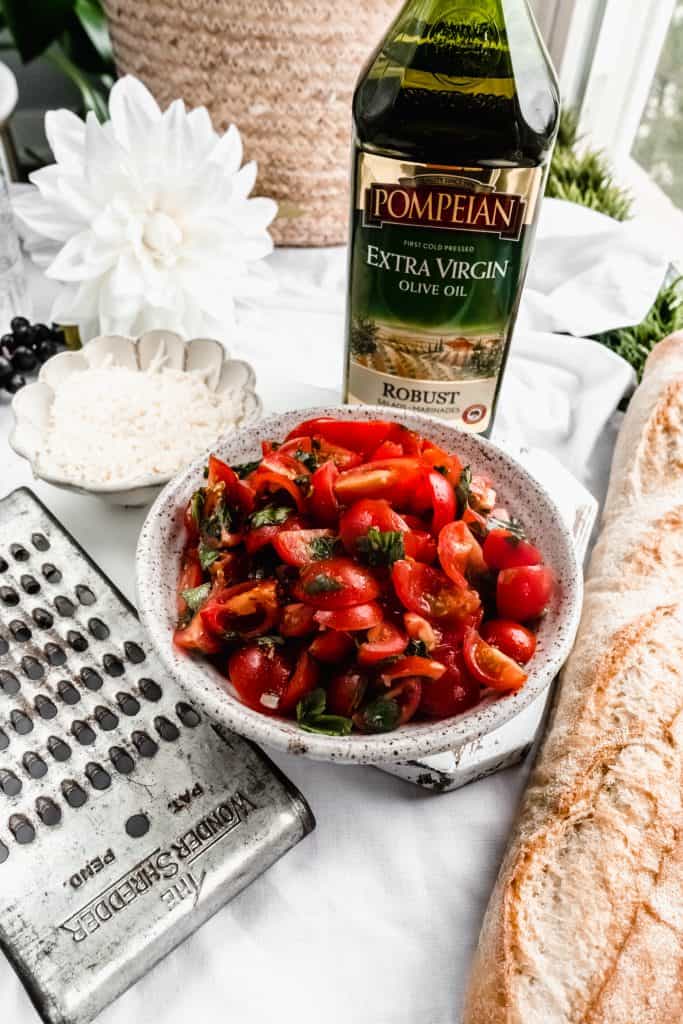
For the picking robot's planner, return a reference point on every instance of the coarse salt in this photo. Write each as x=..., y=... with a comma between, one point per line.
x=113, y=425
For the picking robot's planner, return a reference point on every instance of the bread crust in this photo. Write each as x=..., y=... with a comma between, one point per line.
x=585, y=923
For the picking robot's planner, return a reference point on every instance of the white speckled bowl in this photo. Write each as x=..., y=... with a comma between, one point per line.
x=158, y=554
x=31, y=406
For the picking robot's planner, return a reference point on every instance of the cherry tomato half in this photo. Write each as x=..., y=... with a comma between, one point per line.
x=427, y=591
x=195, y=637
x=362, y=515
x=333, y=646
x=362, y=436
x=454, y=692
x=418, y=628
x=304, y=678
x=383, y=641
x=336, y=583
x=260, y=675
x=407, y=694
x=503, y=549
x=237, y=492
x=459, y=551
x=268, y=482
x=322, y=500
x=297, y=547
x=191, y=576
x=394, y=479
x=345, y=692
x=524, y=593
x=491, y=667
x=413, y=665
x=250, y=609
x=298, y=620
x=360, y=616
x=518, y=642
x=443, y=501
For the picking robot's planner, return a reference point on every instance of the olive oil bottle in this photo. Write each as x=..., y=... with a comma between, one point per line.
x=455, y=117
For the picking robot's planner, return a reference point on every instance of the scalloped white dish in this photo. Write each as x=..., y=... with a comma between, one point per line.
x=204, y=358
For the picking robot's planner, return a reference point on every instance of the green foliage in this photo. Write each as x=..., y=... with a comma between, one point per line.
x=634, y=344
x=73, y=35
x=364, y=336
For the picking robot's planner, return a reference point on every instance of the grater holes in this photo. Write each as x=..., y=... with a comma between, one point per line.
x=167, y=729
x=100, y=630
x=29, y=584
x=121, y=760
x=51, y=573
x=97, y=776
x=74, y=794
x=55, y=655
x=4, y=646
x=134, y=652
x=91, y=679
x=85, y=594
x=82, y=732
x=105, y=718
x=4, y=852
x=22, y=829
x=60, y=750
x=4, y=740
x=21, y=723
x=34, y=765
x=144, y=744
x=65, y=606
x=113, y=665
x=68, y=692
x=187, y=714
x=76, y=641
x=10, y=784
x=9, y=684
x=32, y=667
x=42, y=618
x=40, y=542
x=19, y=553
x=137, y=826
x=48, y=811
x=150, y=690
x=9, y=596
x=128, y=704
x=45, y=707
x=3, y=564
x=20, y=631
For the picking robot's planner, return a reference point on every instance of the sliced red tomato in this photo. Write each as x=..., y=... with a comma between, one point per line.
x=387, y=450
x=489, y=666
x=195, y=637
x=297, y=547
x=336, y=583
x=421, y=588
x=449, y=466
x=407, y=694
x=322, y=500
x=482, y=494
x=250, y=609
x=279, y=462
x=459, y=551
x=418, y=628
x=420, y=545
x=265, y=481
x=260, y=675
x=298, y=620
x=237, y=492
x=450, y=695
x=524, y=593
x=518, y=642
x=191, y=576
x=453, y=633
x=414, y=665
x=360, y=616
x=393, y=479
x=303, y=680
x=362, y=515
x=383, y=641
x=333, y=646
x=443, y=501
x=362, y=436
x=191, y=519
x=504, y=549
x=227, y=569
x=345, y=693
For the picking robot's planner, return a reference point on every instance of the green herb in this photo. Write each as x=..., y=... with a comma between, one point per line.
x=310, y=714
x=207, y=555
x=195, y=597
x=381, y=715
x=322, y=584
x=219, y=521
x=245, y=468
x=270, y=641
x=381, y=547
x=418, y=647
x=304, y=484
x=322, y=547
x=513, y=526
x=308, y=459
x=206, y=473
x=197, y=506
x=271, y=515
x=462, y=491
x=441, y=469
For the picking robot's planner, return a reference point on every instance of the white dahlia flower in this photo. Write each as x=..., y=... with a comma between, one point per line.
x=148, y=218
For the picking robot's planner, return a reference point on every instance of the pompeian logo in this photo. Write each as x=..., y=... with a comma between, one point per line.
x=443, y=206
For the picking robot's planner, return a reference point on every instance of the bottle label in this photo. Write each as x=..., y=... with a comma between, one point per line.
x=438, y=260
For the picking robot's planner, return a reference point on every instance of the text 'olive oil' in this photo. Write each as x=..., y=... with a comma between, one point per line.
x=455, y=118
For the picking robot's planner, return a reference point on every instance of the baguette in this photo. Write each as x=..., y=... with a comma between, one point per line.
x=585, y=924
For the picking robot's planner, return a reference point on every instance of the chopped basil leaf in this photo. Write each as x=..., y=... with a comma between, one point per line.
x=206, y=472
x=513, y=526
x=271, y=515
x=312, y=705
x=218, y=522
x=195, y=597
x=307, y=459
x=270, y=641
x=381, y=547
x=462, y=491
x=207, y=556
x=197, y=506
x=322, y=547
x=304, y=484
x=245, y=468
x=311, y=717
x=322, y=584
x=441, y=469
x=418, y=647
x=381, y=715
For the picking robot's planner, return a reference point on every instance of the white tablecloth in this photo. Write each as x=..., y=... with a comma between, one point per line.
x=373, y=918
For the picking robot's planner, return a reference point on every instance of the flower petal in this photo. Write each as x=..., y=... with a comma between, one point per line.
x=66, y=137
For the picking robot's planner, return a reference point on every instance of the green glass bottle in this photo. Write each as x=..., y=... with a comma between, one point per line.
x=455, y=118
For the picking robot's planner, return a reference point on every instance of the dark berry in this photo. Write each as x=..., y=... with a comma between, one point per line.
x=24, y=360
x=15, y=384
x=19, y=323
x=32, y=339
x=43, y=332
x=8, y=343
x=6, y=371
x=46, y=349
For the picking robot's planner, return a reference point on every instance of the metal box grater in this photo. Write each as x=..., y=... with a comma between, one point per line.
x=126, y=818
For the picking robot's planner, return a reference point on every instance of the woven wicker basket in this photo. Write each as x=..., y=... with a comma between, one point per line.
x=282, y=70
